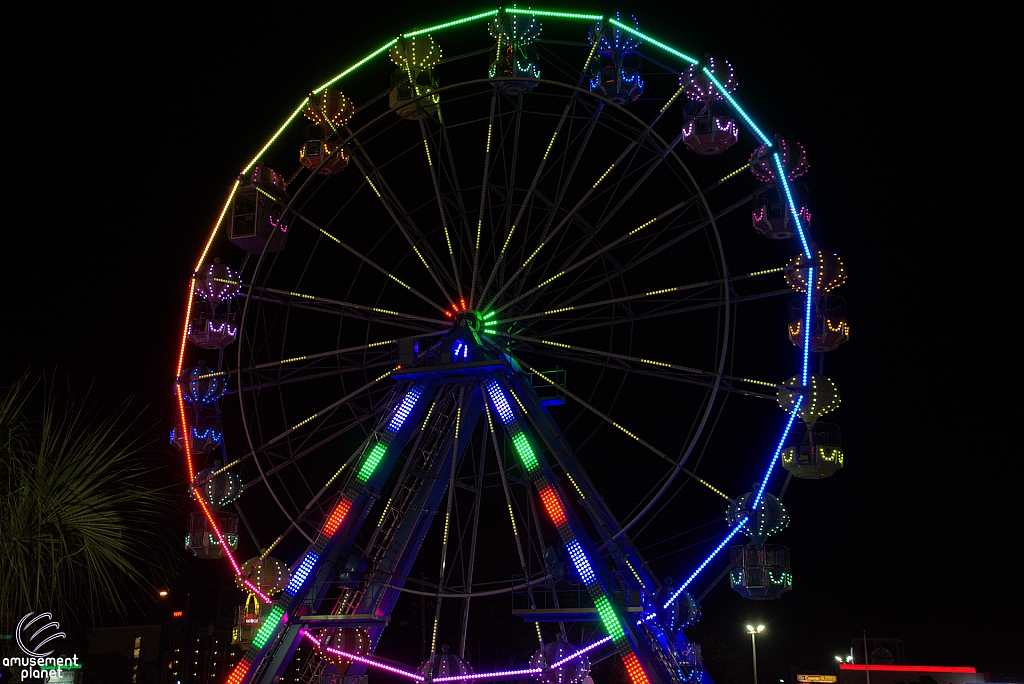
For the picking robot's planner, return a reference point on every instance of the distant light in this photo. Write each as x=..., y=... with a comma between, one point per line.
x=163, y=592
x=176, y=614
x=839, y=658
x=750, y=628
x=760, y=628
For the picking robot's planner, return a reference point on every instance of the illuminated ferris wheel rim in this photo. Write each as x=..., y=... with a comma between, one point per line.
x=540, y=13
x=569, y=16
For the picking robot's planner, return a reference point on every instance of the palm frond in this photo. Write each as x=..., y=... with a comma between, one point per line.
x=80, y=515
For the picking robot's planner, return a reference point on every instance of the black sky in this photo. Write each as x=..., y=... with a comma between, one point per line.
x=125, y=132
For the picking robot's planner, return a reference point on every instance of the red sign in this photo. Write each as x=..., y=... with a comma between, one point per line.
x=908, y=668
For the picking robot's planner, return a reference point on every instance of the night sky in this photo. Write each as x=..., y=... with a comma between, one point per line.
x=124, y=136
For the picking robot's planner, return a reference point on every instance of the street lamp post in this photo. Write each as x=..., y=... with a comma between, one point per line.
x=753, y=632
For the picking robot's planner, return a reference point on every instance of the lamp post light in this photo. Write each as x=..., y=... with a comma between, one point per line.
x=753, y=632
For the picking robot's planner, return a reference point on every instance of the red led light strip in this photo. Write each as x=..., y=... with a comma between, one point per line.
x=337, y=516
x=238, y=673
x=634, y=669
x=908, y=668
x=552, y=506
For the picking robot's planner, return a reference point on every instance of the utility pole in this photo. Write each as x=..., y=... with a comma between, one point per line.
x=867, y=665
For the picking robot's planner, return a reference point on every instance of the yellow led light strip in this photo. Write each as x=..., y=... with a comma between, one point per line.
x=359, y=307
x=576, y=486
x=587, y=259
x=318, y=355
x=371, y=262
x=737, y=171
x=405, y=233
x=673, y=98
x=441, y=211
x=606, y=302
x=448, y=24
x=483, y=199
x=608, y=420
x=526, y=200
x=327, y=408
x=427, y=417
x=626, y=298
x=504, y=485
x=624, y=357
x=364, y=60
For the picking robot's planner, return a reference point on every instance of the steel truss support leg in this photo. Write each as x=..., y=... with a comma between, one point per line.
x=643, y=646
x=379, y=454
x=396, y=560
x=627, y=638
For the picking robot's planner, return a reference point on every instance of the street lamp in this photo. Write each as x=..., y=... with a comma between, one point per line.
x=753, y=632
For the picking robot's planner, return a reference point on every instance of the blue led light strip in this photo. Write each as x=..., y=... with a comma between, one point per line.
x=807, y=322
x=778, y=450
x=736, y=105
x=792, y=207
x=707, y=560
x=579, y=559
x=403, y=410
x=301, y=573
x=500, y=402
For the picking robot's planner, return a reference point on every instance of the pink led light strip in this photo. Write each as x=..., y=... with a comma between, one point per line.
x=370, y=662
x=362, y=659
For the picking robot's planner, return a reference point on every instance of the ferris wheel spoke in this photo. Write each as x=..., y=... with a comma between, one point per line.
x=639, y=259
x=563, y=222
x=603, y=416
x=533, y=184
x=441, y=210
x=661, y=152
x=290, y=297
x=693, y=372
x=727, y=384
x=647, y=169
x=292, y=458
x=369, y=262
x=404, y=222
x=619, y=269
x=483, y=200
x=671, y=312
x=325, y=410
x=564, y=182
x=319, y=355
x=613, y=300
x=595, y=255
x=357, y=421
x=452, y=174
x=729, y=282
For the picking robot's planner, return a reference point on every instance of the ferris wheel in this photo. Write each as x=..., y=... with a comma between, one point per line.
x=472, y=348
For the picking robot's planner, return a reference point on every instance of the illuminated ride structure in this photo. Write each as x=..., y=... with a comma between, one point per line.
x=476, y=343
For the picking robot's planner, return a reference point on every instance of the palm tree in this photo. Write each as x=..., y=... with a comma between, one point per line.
x=79, y=514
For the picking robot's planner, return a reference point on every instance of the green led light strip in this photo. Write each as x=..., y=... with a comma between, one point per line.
x=372, y=461
x=364, y=60
x=608, y=618
x=268, y=628
x=524, y=450
x=558, y=15
x=652, y=41
x=449, y=24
